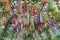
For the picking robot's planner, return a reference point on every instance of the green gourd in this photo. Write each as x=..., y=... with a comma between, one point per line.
x=26, y=20
x=32, y=28
x=52, y=6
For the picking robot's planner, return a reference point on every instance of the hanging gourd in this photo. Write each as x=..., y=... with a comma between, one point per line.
x=14, y=20
x=32, y=27
x=5, y=20
x=26, y=7
x=34, y=10
x=44, y=1
x=19, y=19
x=25, y=21
x=4, y=1
x=7, y=8
x=52, y=6
x=19, y=8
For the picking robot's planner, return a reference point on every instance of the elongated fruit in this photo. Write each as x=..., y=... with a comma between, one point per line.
x=26, y=7
x=14, y=20
x=44, y=1
x=34, y=10
x=4, y=1
x=5, y=20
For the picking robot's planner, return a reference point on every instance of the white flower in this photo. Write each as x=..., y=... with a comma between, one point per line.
x=15, y=1
x=2, y=27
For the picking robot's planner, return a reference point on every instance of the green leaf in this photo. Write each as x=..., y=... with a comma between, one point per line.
x=36, y=1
